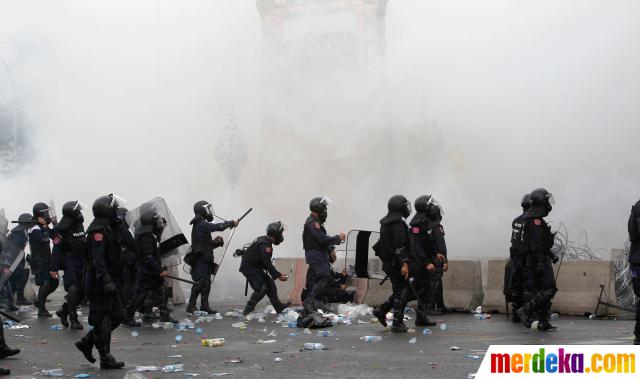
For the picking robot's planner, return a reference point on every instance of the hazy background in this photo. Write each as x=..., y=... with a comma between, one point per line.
x=483, y=101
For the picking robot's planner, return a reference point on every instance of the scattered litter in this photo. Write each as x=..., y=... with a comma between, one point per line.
x=199, y=331
x=413, y=340
x=350, y=310
x=55, y=328
x=203, y=319
x=167, y=325
x=272, y=334
x=534, y=326
x=155, y=325
x=134, y=334
x=454, y=348
x=179, y=338
x=293, y=334
x=313, y=346
x=222, y=374
x=53, y=372
x=478, y=310
x=20, y=327
x=232, y=314
x=133, y=374
x=173, y=368
x=262, y=330
x=262, y=342
x=482, y=316
x=443, y=327
x=236, y=361
x=325, y=333
x=200, y=313
x=218, y=316
x=411, y=330
x=212, y=342
x=146, y=368
x=175, y=356
x=307, y=331
x=471, y=375
x=190, y=374
x=278, y=359
x=554, y=316
x=364, y=322
x=474, y=357
x=240, y=325
x=82, y=376
x=371, y=338
x=426, y=331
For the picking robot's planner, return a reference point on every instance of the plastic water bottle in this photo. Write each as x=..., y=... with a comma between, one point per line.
x=413, y=340
x=481, y=316
x=554, y=316
x=426, y=331
x=292, y=324
x=167, y=325
x=443, y=327
x=371, y=339
x=325, y=333
x=199, y=331
x=173, y=368
x=179, y=338
x=54, y=372
x=200, y=313
x=213, y=342
x=134, y=334
x=313, y=346
x=54, y=328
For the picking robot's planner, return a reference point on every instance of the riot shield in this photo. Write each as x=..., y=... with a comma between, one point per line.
x=4, y=223
x=173, y=243
x=10, y=257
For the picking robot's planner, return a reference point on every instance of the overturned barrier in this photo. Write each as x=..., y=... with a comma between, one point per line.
x=578, y=286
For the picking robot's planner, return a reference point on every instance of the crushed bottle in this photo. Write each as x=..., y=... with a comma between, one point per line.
x=371, y=338
x=313, y=346
x=212, y=342
x=325, y=333
x=173, y=368
x=53, y=372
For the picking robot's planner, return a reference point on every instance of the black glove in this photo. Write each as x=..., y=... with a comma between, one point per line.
x=108, y=285
x=554, y=258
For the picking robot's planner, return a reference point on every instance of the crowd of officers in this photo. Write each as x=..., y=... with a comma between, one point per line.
x=120, y=274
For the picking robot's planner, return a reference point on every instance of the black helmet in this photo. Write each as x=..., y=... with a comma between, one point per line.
x=25, y=220
x=153, y=222
x=42, y=210
x=526, y=202
x=203, y=209
x=422, y=203
x=106, y=207
x=399, y=204
x=73, y=210
x=542, y=200
x=318, y=205
x=276, y=230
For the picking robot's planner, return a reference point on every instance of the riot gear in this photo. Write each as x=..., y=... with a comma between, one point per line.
x=42, y=210
x=203, y=209
x=276, y=230
x=73, y=210
x=541, y=202
x=526, y=202
x=318, y=205
x=107, y=207
x=399, y=204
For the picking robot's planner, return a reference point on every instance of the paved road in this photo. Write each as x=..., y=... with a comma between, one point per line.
x=346, y=357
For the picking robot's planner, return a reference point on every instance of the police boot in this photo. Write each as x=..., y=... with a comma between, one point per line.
x=381, y=313
x=6, y=351
x=103, y=344
x=75, y=324
x=42, y=300
x=165, y=316
x=398, y=325
x=254, y=299
x=423, y=320
x=195, y=292
x=524, y=313
x=73, y=297
x=544, y=325
x=85, y=345
x=4, y=371
x=21, y=300
x=63, y=313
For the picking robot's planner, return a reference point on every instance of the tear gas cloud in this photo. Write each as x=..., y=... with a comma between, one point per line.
x=475, y=102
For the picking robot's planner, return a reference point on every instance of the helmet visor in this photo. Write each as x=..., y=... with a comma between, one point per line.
x=326, y=201
x=117, y=201
x=435, y=201
x=551, y=199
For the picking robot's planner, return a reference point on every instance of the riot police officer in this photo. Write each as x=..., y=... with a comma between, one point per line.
x=634, y=262
x=40, y=245
x=438, y=248
x=129, y=258
x=202, y=246
x=70, y=254
x=150, y=285
x=393, y=251
x=517, y=258
x=256, y=266
x=540, y=284
x=316, y=243
x=105, y=308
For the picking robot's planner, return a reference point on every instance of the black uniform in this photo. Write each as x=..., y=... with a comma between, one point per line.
x=257, y=267
x=517, y=261
x=540, y=285
x=130, y=260
x=20, y=277
x=105, y=309
x=40, y=246
x=334, y=291
x=202, y=246
x=316, y=243
x=150, y=287
x=634, y=261
x=70, y=254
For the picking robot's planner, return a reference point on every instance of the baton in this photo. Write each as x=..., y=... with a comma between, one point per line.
x=229, y=243
x=246, y=287
x=180, y=279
